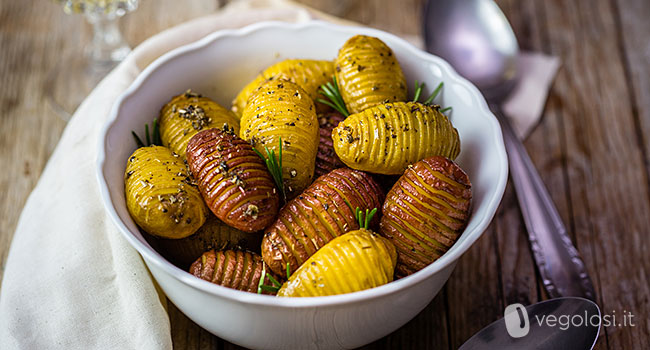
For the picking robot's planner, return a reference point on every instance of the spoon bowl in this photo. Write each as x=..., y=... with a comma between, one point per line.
x=562, y=323
x=474, y=36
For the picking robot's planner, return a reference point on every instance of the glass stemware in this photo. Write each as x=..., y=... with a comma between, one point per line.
x=75, y=76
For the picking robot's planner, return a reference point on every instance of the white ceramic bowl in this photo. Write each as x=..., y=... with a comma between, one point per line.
x=218, y=66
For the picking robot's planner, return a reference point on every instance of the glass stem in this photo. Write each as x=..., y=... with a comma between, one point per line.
x=108, y=46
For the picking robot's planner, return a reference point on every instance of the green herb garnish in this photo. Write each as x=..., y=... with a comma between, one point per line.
x=152, y=138
x=434, y=94
x=418, y=92
x=332, y=92
x=263, y=287
x=362, y=218
x=275, y=167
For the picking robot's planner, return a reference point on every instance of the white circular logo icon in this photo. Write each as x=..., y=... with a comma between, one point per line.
x=516, y=318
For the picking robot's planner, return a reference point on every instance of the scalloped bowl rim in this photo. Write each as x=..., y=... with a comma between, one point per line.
x=457, y=250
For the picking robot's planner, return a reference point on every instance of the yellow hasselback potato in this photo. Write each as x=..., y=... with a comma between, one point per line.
x=352, y=262
x=368, y=74
x=159, y=194
x=388, y=138
x=308, y=74
x=187, y=114
x=281, y=109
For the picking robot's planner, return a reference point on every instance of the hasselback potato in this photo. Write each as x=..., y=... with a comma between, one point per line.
x=231, y=268
x=318, y=215
x=214, y=234
x=187, y=114
x=355, y=261
x=326, y=158
x=425, y=212
x=159, y=193
x=281, y=109
x=233, y=179
x=368, y=74
x=387, y=138
x=308, y=74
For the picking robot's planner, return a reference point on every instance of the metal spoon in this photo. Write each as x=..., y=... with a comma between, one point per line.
x=476, y=39
x=562, y=323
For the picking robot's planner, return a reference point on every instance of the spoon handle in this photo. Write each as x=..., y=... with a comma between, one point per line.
x=561, y=267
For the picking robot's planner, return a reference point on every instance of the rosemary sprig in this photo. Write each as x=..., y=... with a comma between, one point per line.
x=152, y=138
x=434, y=94
x=275, y=166
x=332, y=92
x=418, y=91
x=266, y=288
x=362, y=218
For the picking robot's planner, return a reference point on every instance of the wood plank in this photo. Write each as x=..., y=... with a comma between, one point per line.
x=402, y=17
x=29, y=129
x=428, y=330
x=605, y=166
x=474, y=291
x=633, y=28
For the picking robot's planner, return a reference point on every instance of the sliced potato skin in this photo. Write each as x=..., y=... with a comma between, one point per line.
x=368, y=74
x=318, y=215
x=355, y=261
x=326, y=159
x=233, y=179
x=187, y=114
x=425, y=212
x=308, y=74
x=230, y=268
x=214, y=234
x=159, y=194
x=387, y=138
x=281, y=109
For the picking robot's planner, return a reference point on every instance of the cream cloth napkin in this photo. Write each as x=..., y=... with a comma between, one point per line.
x=71, y=281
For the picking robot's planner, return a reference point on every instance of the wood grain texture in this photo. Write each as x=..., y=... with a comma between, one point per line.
x=592, y=149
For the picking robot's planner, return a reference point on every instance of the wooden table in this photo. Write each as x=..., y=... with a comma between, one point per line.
x=592, y=148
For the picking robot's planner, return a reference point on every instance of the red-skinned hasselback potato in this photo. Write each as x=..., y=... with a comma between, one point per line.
x=425, y=212
x=233, y=179
x=319, y=214
x=326, y=158
x=231, y=268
